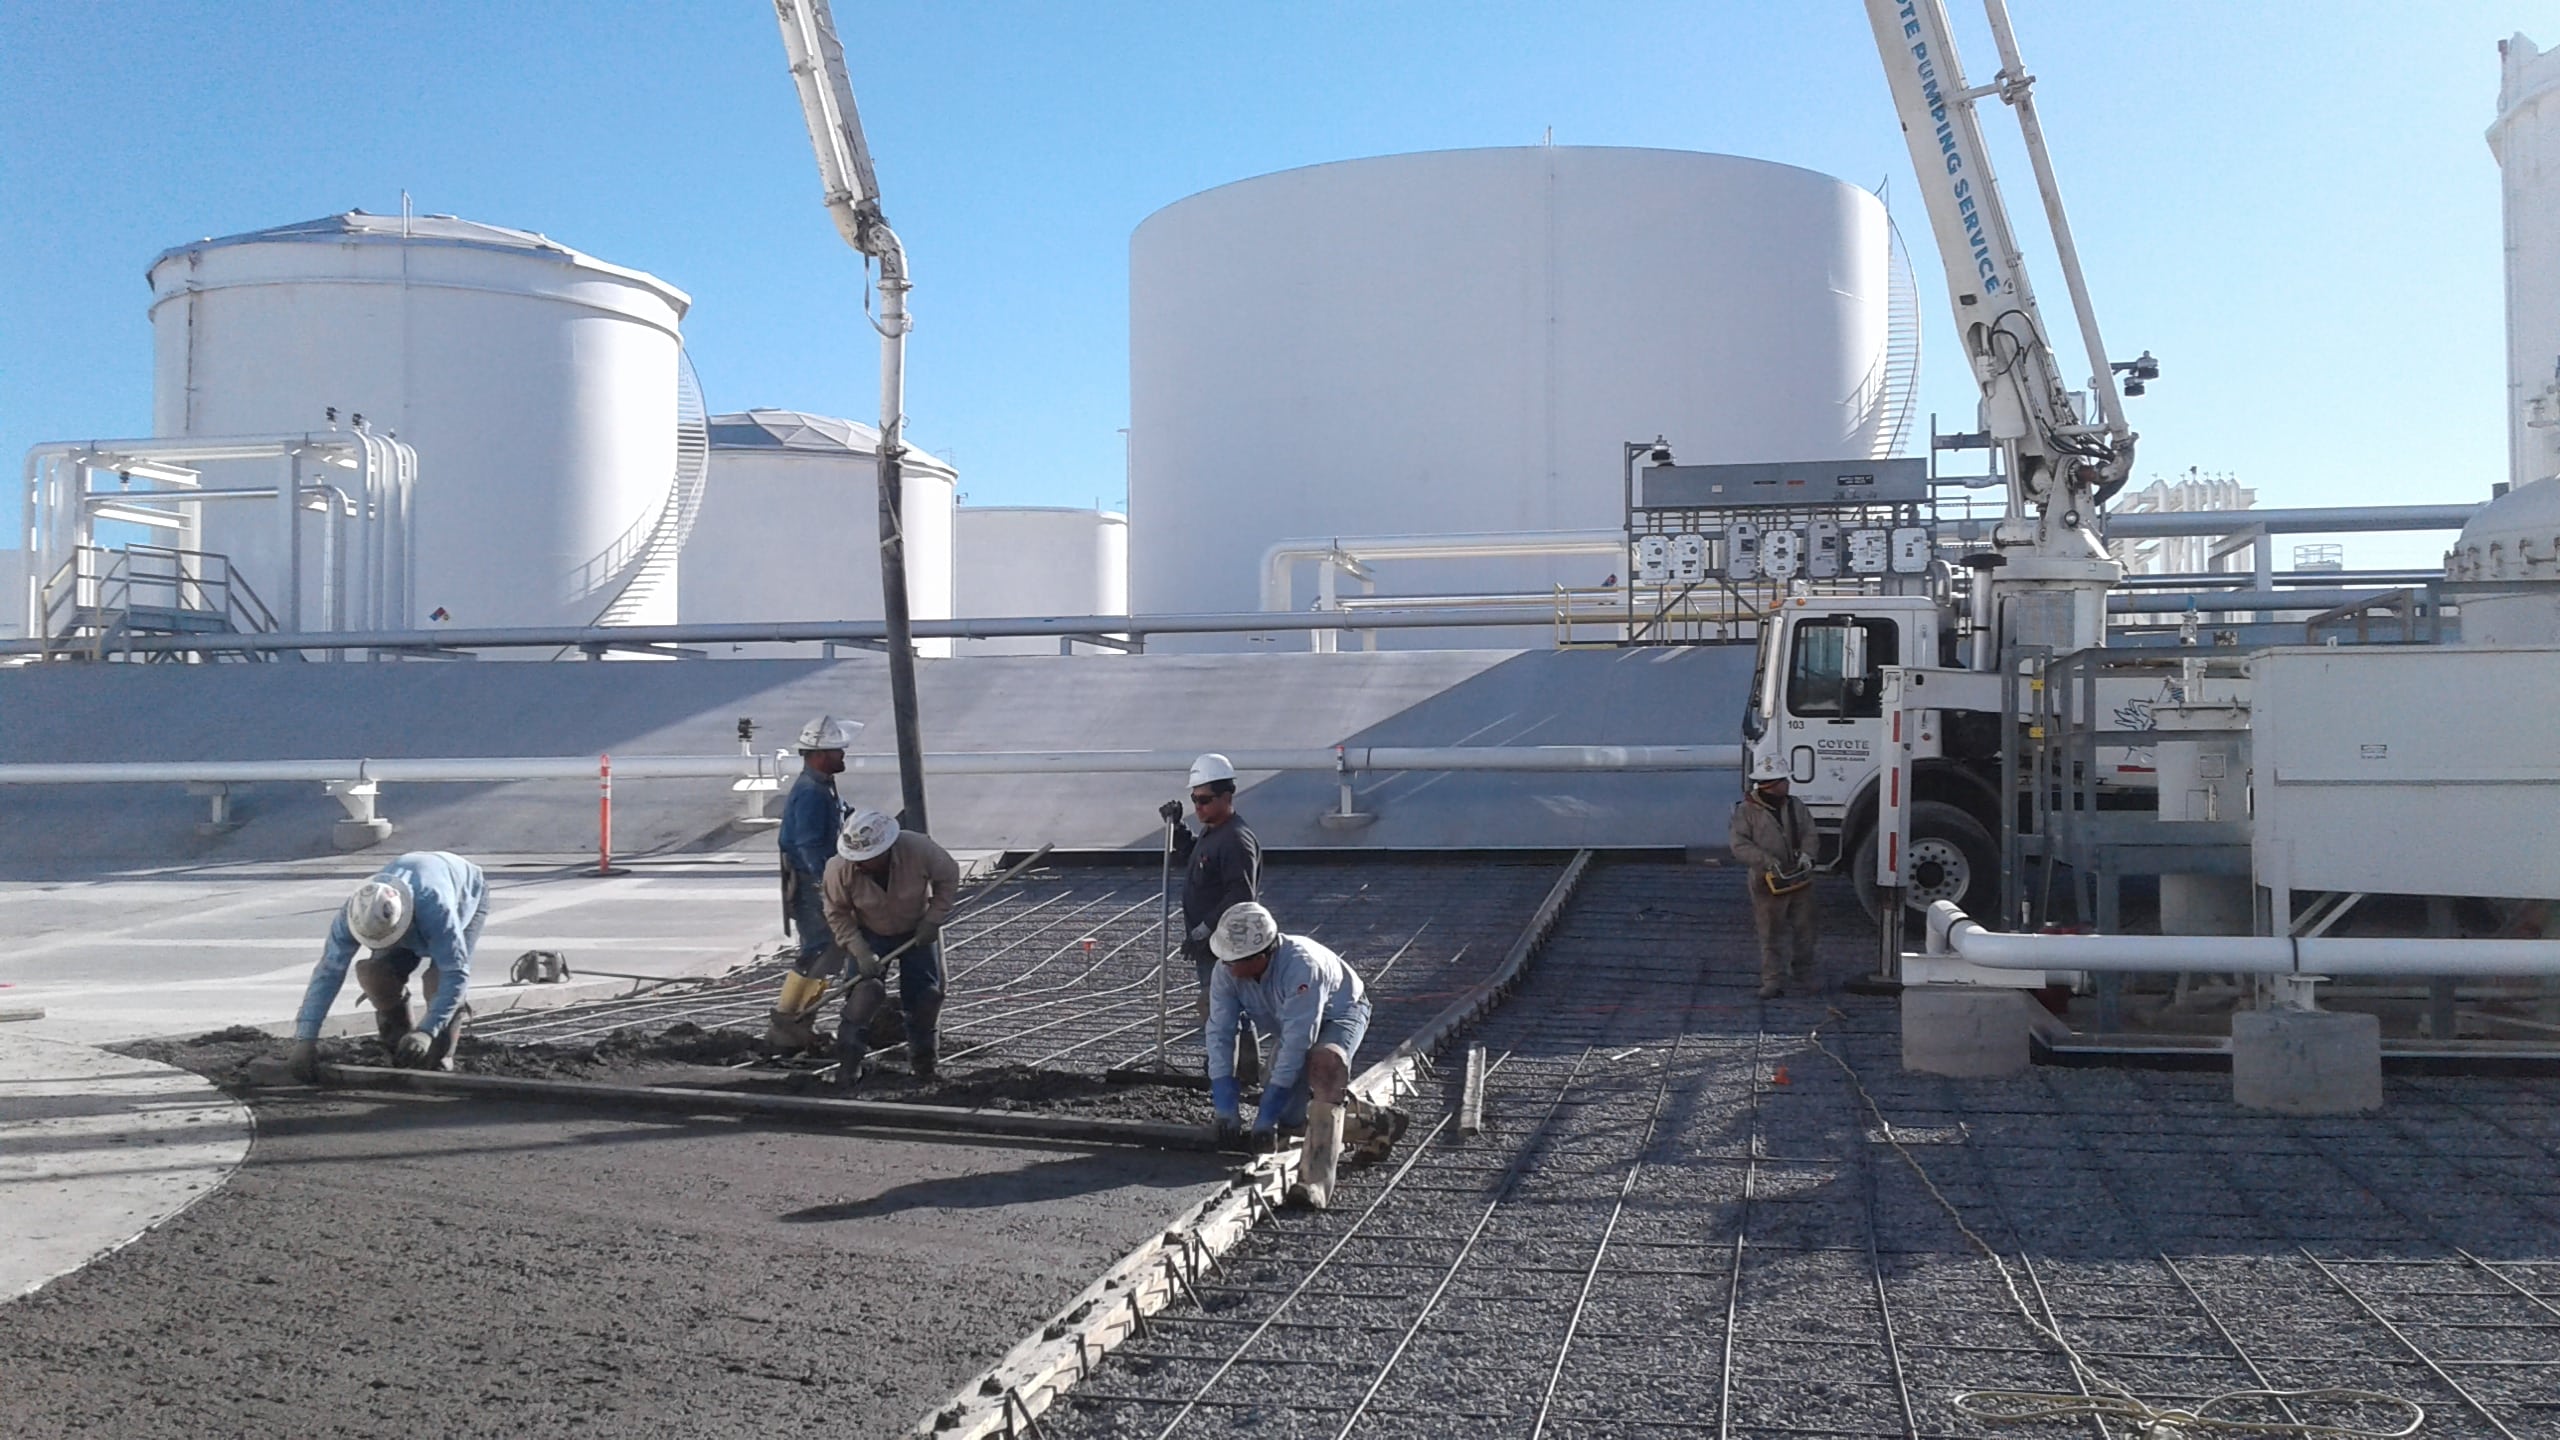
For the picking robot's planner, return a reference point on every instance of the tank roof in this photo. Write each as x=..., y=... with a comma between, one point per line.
x=359, y=227
x=798, y=430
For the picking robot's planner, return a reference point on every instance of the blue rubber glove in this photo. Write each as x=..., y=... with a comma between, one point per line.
x=1224, y=1095
x=1274, y=1100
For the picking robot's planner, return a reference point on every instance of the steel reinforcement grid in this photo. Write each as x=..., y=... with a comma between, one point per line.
x=1684, y=1217
x=1057, y=969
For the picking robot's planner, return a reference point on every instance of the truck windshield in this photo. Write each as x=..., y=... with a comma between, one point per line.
x=1816, y=684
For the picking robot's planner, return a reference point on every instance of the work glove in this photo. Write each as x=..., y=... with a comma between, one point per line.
x=302, y=1062
x=1201, y=930
x=928, y=932
x=411, y=1052
x=1224, y=1096
x=1171, y=810
x=1266, y=1121
x=867, y=964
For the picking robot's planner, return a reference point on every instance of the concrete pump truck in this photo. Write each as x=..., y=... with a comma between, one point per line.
x=2039, y=587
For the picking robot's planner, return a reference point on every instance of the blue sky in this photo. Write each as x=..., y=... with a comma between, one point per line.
x=2290, y=204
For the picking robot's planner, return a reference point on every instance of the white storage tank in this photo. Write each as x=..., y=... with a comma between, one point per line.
x=790, y=527
x=1016, y=560
x=539, y=386
x=1461, y=341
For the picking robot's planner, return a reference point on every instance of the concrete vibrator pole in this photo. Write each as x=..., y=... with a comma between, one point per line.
x=853, y=198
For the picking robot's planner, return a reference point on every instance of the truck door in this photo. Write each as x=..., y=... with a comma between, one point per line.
x=1834, y=726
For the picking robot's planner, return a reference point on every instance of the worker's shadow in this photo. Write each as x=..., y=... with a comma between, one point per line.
x=1031, y=1185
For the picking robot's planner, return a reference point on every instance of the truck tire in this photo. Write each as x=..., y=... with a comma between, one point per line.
x=1952, y=858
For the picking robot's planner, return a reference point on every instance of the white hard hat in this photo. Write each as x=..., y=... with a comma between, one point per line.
x=1767, y=767
x=827, y=733
x=1246, y=930
x=378, y=913
x=1210, y=767
x=867, y=835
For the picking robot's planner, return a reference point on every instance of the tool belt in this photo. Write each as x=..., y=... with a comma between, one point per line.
x=1786, y=882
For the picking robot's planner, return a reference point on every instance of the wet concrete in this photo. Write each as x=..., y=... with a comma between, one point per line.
x=242, y=1058
x=400, y=1267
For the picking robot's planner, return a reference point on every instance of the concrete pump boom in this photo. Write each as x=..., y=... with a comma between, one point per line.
x=2062, y=467
x=852, y=193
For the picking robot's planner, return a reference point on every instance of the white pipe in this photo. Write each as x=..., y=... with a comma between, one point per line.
x=1332, y=760
x=1279, y=561
x=1951, y=932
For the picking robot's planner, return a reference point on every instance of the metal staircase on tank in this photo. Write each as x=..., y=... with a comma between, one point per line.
x=639, y=565
x=101, y=597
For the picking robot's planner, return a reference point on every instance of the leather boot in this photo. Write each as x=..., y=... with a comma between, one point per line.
x=390, y=1025
x=1370, y=1131
x=924, y=1040
x=1314, y=1187
x=852, y=1050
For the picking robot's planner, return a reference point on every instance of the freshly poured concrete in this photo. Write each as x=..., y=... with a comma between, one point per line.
x=410, y=1268
x=95, y=1149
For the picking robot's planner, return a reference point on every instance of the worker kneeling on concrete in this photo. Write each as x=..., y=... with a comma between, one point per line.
x=1306, y=995
x=811, y=818
x=887, y=893
x=423, y=909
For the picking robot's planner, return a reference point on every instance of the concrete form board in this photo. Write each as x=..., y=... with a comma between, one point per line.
x=2448, y=751
x=254, y=712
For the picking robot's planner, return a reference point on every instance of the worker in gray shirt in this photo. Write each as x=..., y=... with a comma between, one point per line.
x=1221, y=869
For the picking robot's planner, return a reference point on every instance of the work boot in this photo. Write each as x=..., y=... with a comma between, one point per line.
x=923, y=1042
x=1370, y=1131
x=390, y=1025
x=852, y=1063
x=790, y=1032
x=1771, y=989
x=1314, y=1186
x=861, y=1003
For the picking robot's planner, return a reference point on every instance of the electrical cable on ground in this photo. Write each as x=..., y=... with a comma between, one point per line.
x=2154, y=1422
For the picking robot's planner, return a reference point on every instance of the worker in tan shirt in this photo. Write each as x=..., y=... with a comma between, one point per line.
x=887, y=893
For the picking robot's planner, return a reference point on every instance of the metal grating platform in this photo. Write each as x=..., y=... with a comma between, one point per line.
x=1683, y=1218
x=1057, y=969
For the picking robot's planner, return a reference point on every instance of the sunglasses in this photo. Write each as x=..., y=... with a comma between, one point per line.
x=1201, y=797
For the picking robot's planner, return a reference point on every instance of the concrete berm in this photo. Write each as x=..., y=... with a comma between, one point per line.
x=1968, y=1031
x=2306, y=1062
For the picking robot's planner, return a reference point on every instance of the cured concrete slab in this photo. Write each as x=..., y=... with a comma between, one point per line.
x=405, y=1268
x=96, y=1149
x=185, y=949
x=1183, y=703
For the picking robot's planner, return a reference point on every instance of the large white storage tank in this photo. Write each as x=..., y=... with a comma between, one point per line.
x=789, y=527
x=539, y=386
x=1016, y=560
x=1461, y=341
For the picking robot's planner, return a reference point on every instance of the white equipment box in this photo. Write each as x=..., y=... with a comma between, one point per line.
x=2407, y=769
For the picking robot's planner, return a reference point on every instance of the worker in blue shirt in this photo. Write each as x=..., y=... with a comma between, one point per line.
x=1304, y=994
x=423, y=909
x=811, y=818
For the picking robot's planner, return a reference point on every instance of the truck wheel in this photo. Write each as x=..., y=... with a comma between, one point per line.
x=1952, y=858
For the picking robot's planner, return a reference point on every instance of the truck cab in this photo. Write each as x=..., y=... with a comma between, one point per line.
x=1817, y=707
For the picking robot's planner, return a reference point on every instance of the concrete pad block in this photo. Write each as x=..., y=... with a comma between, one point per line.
x=1968, y=1031
x=2306, y=1062
x=359, y=834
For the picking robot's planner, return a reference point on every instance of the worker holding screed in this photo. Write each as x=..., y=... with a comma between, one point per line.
x=811, y=818
x=1313, y=1001
x=1774, y=838
x=887, y=893
x=423, y=909
x=1221, y=869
